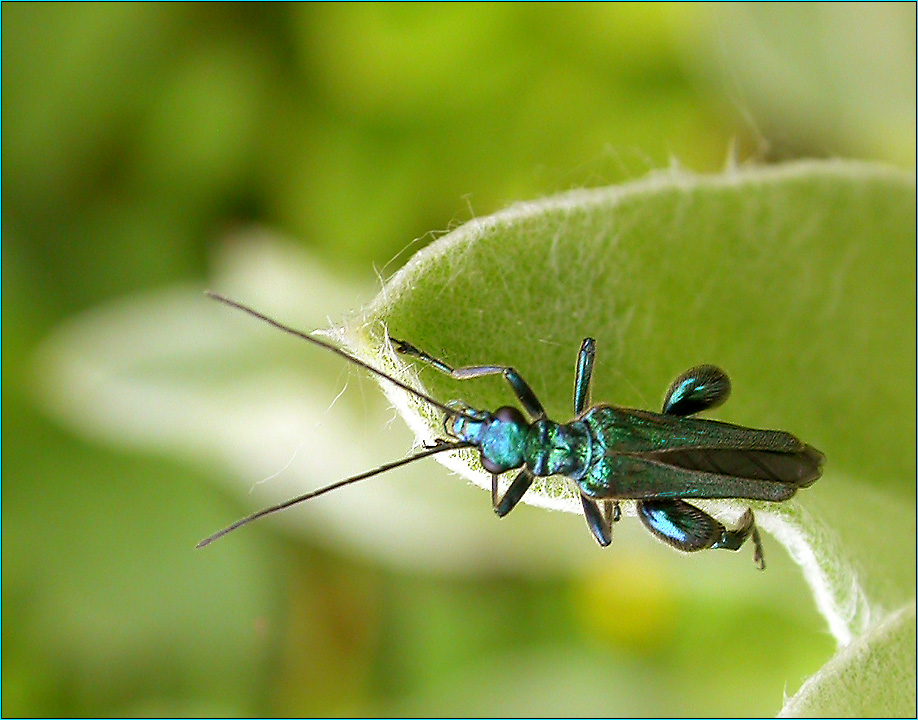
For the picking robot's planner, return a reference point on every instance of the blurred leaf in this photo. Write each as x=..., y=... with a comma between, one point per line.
x=848, y=89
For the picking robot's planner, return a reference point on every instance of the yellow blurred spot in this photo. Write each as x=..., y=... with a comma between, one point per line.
x=630, y=606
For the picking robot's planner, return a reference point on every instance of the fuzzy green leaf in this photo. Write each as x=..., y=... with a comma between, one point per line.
x=798, y=280
x=874, y=676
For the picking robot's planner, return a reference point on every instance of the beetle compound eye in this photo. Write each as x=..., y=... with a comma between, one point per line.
x=508, y=414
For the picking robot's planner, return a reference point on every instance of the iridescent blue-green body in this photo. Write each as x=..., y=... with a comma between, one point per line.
x=657, y=460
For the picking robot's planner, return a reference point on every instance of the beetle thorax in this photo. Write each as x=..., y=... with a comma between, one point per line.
x=556, y=449
x=507, y=441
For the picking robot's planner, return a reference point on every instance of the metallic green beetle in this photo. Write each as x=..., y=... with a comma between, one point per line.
x=657, y=460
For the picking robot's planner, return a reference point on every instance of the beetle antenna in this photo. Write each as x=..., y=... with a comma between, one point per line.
x=441, y=446
x=338, y=351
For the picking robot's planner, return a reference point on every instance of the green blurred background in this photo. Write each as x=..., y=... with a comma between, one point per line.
x=136, y=138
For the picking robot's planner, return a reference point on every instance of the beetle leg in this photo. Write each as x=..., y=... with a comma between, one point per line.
x=517, y=489
x=584, y=374
x=597, y=521
x=687, y=528
x=679, y=524
x=520, y=387
x=700, y=388
x=734, y=539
